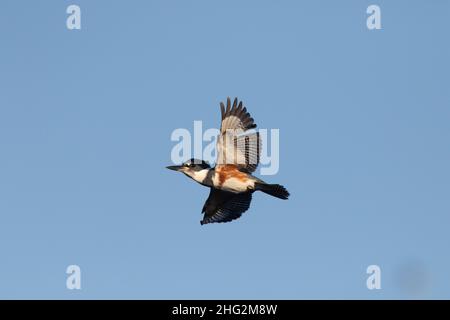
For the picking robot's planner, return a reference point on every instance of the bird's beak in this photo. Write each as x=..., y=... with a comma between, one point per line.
x=174, y=168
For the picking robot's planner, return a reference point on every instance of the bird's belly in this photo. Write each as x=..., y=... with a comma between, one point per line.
x=237, y=185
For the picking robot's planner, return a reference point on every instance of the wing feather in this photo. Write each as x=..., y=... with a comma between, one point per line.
x=223, y=206
x=238, y=144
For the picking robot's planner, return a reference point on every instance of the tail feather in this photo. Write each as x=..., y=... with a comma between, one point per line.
x=275, y=190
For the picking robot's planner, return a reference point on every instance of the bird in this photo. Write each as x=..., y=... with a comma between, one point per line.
x=231, y=181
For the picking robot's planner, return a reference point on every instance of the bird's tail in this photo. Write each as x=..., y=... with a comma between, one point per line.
x=276, y=190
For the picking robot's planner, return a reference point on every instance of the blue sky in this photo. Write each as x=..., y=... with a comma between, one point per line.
x=85, y=124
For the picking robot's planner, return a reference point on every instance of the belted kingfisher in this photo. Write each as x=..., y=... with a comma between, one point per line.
x=231, y=181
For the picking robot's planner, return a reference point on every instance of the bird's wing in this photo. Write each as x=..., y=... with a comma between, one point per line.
x=238, y=143
x=223, y=206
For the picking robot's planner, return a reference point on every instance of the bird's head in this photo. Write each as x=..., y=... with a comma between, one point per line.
x=193, y=168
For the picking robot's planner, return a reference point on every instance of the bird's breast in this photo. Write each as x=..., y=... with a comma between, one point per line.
x=229, y=178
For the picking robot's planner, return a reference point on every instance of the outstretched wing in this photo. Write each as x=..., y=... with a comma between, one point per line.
x=238, y=144
x=223, y=206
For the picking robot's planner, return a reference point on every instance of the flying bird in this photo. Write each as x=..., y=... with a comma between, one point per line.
x=231, y=181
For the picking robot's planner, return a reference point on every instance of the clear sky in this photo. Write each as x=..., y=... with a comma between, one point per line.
x=85, y=124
